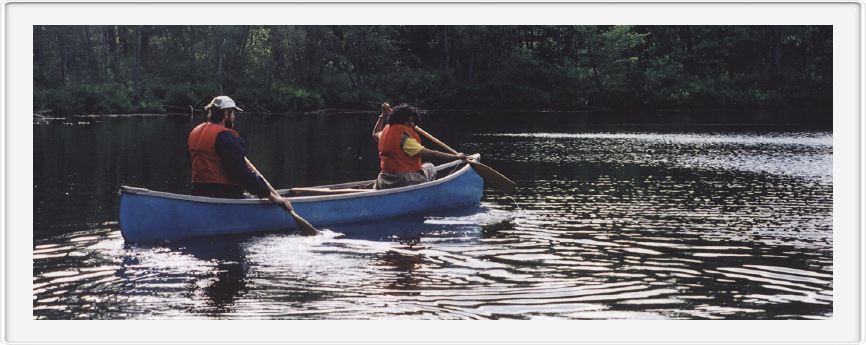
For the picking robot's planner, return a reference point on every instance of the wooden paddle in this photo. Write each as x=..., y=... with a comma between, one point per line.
x=492, y=177
x=307, y=229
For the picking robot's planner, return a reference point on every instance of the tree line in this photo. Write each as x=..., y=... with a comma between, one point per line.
x=128, y=69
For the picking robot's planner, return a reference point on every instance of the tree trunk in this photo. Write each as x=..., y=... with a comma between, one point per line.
x=277, y=55
x=109, y=37
x=594, y=67
x=455, y=50
x=63, y=65
x=89, y=60
x=37, y=45
x=220, y=65
x=445, y=43
x=469, y=74
x=777, y=51
x=136, y=57
x=64, y=61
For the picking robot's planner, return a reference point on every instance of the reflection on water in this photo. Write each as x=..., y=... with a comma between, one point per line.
x=803, y=154
x=606, y=224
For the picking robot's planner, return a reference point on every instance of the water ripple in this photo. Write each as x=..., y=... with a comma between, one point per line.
x=604, y=226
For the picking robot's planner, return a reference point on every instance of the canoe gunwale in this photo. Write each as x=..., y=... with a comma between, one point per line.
x=312, y=198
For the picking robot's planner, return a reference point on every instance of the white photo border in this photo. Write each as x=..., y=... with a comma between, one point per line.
x=16, y=155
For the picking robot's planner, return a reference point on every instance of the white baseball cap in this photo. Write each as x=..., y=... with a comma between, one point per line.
x=222, y=102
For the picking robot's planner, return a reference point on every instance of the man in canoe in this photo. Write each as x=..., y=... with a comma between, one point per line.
x=218, y=156
x=400, y=149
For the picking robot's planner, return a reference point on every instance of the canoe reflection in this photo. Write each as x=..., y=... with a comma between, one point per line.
x=227, y=279
x=219, y=268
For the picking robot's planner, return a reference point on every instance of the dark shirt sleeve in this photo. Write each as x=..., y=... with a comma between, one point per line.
x=232, y=151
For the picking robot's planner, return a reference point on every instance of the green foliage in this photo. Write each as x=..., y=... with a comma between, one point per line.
x=85, y=99
x=122, y=69
x=288, y=97
x=185, y=93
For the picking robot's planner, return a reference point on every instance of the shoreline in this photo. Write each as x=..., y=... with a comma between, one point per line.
x=43, y=117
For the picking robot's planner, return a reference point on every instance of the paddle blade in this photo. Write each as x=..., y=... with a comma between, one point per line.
x=306, y=228
x=494, y=178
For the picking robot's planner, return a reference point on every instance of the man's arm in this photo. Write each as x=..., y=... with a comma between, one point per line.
x=380, y=123
x=232, y=151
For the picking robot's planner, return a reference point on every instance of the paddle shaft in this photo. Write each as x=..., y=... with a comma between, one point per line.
x=491, y=176
x=253, y=168
x=434, y=140
x=303, y=224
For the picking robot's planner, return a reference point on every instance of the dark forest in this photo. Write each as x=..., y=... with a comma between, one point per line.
x=156, y=69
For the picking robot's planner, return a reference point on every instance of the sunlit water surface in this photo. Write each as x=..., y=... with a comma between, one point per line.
x=606, y=224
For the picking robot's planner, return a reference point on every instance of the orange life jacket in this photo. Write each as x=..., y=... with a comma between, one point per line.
x=207, y=167
x=391, y=155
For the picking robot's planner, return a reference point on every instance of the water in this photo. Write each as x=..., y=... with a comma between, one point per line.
x=672, y=219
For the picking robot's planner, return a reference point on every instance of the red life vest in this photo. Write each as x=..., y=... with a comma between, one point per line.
x=207, y=167
x=391, y=155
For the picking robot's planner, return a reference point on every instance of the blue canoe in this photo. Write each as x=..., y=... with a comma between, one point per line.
x=147, y=215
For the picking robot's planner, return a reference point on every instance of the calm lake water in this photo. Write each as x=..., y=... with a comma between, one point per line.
x=676, y=217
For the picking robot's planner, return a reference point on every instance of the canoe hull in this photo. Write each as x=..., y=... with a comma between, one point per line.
x=155, y=216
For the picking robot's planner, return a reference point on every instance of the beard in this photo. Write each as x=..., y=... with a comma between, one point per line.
x=230, y=124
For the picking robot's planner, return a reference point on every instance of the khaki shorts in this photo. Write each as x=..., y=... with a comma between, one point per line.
x=394, y=180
